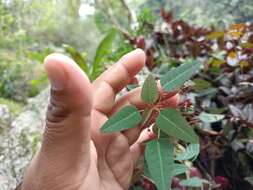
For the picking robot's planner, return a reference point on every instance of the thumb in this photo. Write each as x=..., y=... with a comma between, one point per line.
x=65, y=150
x=67, y=132
x=68, y=115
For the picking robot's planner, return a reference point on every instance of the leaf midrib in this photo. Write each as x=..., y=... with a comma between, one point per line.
x=176, y=126
x=160, y=159
x=120, y=121
x=178, y=76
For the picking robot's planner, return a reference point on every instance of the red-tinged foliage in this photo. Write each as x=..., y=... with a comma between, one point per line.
x=176, y=183
x=224, y=86
x=194, y=172
x=222, y=181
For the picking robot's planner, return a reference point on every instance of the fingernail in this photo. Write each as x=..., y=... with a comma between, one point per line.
x=55, y=74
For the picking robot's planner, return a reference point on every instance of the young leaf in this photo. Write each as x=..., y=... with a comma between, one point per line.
x=191, y=151
x=210, y=118
x=176, y=77
x=179, y=169
x=159, y=157
x=126, y=118
x=149, y=92
x=171, y=122
x=104, y=48
x=193, y=182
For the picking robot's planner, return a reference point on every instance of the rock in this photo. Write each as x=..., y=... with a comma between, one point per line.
x=4, y=112
x=20, y=142
x=5, y=117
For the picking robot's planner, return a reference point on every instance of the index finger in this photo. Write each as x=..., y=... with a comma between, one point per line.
x=115, y=79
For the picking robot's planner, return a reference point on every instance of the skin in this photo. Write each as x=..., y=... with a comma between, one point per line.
x=74, y=155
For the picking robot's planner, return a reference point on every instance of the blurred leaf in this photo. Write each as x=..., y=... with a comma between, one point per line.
x=244, y=64
x=77, y=57
x=149, y=92
x=132, y=86
x=238, y=27
x=104, y=48
x=38, y=55
x=176, y=77
x=171, y=122
x=179, y=169
x=249, y=179
x=217, y=62
x=191, y=152
x=159, y=157
x=215, y=35
x=201, y=84
x=193, y=182
x=126, y=118
x=210, y=118
x=235, y=34
x=247, y=45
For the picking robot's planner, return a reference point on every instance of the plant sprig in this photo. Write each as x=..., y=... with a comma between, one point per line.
x=169, y=122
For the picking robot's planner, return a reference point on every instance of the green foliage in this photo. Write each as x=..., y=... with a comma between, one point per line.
x=149, y=93
x=178, y=76
x=77, y=57
x=193, y=182
x=210, y=118
x=173, y=124
x=179, y=169
x=191, y=152
x=159, y=157
x=126, y=118
x=104, y=48
x=15, y=108
x=15, y=79
x=159, y=153
x=96, y=66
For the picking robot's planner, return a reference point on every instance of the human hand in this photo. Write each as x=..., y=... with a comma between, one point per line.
x=74, y=154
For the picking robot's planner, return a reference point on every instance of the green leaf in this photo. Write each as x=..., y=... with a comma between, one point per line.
x=77, y=57
x=201, y=84
x=132, y=86
x=126, y=118
x=159, y=157
x=149, y=92
x=192, y=151
x=193, y=182
x=104, y=48
x=210, y=118
x=171, y=122
x=176, y=77
x=145, y=170
x=179, y=169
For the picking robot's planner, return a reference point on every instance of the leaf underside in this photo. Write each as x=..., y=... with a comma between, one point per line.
x=191, y=152
x=179, y=169
x=159, y=158
x=126, y=118
x=210, y=118
x=193, y=182
x=176, y=77
x=171, y=122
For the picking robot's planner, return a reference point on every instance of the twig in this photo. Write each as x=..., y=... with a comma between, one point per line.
x=129, y=12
